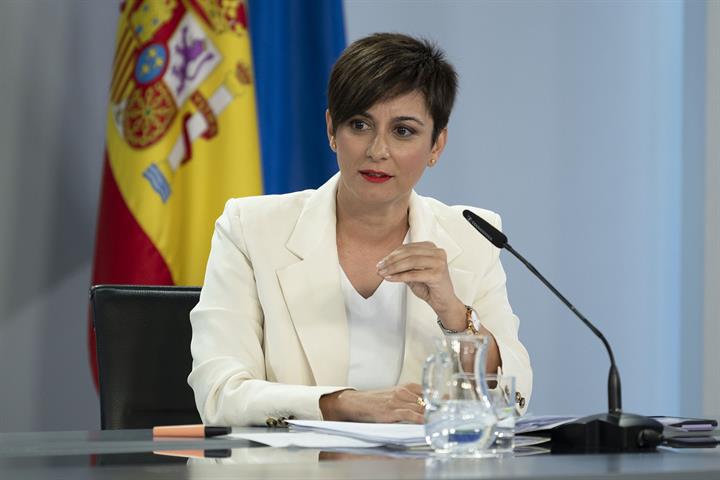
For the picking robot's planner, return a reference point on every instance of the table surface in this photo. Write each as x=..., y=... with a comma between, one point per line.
x=129, y=454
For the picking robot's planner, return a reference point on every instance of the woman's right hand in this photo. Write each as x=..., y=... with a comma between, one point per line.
x=401, y=403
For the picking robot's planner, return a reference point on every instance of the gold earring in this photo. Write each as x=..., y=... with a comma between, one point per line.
x=333, y=145
x=432, y=162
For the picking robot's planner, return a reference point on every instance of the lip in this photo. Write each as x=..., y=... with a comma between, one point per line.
x=375, y=176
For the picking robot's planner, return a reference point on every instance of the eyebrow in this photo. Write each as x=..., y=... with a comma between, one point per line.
x=402, y=118
x=411, y=119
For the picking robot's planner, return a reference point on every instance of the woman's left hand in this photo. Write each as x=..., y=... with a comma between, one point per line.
x=423, y=267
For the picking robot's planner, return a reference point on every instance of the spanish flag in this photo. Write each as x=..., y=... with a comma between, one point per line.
x=182, y=127
x=182, y=138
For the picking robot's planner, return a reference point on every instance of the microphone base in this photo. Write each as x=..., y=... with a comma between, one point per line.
x=608, y=433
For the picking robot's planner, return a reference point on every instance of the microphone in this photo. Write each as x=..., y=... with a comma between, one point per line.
x=495, y=236
x=614, y=431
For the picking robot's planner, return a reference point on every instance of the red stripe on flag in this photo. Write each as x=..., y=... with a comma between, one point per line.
x=124, y=254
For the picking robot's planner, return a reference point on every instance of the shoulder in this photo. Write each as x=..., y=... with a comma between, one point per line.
x=451, y=215
x=266, y=218
x=265, y=207
x=476, y=252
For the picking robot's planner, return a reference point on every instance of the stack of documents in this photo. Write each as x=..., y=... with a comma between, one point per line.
x=537, y=423
x=332, y=435
x=394, y=434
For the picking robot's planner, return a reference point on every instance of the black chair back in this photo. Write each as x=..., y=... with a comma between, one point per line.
x=143, y=349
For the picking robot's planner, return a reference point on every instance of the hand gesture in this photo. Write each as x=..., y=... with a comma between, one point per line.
x=423, y=267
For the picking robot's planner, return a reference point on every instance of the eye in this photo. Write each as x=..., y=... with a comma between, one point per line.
x=403, y=131
x=358, y=124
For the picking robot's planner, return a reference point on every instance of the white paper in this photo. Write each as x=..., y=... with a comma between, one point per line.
x=385, y=433
x=326, y=434
x=303, y=440
x=527, y=441
x=529, y=424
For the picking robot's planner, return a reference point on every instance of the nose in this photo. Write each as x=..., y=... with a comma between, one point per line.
x=378, y=148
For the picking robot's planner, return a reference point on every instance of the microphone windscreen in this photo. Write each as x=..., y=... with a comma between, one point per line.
x=495, y=236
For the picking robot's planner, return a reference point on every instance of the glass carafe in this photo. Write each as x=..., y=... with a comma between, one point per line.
x=459, y=418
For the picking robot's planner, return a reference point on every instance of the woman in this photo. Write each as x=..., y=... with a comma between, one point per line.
x=325, y=303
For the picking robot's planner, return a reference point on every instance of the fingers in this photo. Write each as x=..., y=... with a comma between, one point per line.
x=414, y=388
x=411, y=249
x=420, y=276
x=414, y=257
x=408, y=391
x=423, y=267
x=409, y=396
x=409, y=399
x=409, y=416
x=418, y=262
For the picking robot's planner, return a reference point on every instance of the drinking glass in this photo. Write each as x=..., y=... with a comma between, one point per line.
x=502, y=397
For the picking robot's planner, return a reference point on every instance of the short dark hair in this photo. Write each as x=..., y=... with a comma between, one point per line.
x=385, y=65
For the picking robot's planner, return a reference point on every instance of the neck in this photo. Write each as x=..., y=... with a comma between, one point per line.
x=371, y=223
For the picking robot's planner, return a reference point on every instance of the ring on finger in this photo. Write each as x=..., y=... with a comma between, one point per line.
x=420, y=402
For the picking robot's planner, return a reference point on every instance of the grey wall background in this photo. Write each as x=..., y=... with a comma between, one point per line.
x=54, y=76
x=582, y=123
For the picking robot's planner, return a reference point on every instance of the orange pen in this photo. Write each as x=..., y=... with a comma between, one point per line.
x=190, y=431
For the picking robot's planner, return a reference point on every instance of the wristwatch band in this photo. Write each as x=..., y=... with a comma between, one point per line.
x=470, y=325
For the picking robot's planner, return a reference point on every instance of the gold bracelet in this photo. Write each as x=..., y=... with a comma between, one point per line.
x=470, y=326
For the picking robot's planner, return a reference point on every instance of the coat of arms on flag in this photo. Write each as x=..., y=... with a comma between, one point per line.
x=170, y=72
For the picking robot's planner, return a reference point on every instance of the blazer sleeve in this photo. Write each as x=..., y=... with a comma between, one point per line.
x=228, y=374
x=494, y=312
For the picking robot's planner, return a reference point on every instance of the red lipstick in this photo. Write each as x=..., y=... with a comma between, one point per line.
x=375, y=176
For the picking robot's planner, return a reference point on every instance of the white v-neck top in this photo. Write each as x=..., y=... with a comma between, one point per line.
x=377, y=334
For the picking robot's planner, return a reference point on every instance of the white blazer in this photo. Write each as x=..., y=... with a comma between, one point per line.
x=270, y=334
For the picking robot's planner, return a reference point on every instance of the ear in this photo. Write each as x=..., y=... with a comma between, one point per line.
x=438, y=147
x=329, y=126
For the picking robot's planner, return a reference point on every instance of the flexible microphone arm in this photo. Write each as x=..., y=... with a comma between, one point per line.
x=499, y=239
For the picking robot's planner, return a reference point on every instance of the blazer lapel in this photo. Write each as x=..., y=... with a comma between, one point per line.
x=312, y=291
x=421, y=327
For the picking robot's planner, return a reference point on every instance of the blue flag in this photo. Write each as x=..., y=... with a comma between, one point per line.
x=294, y=45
